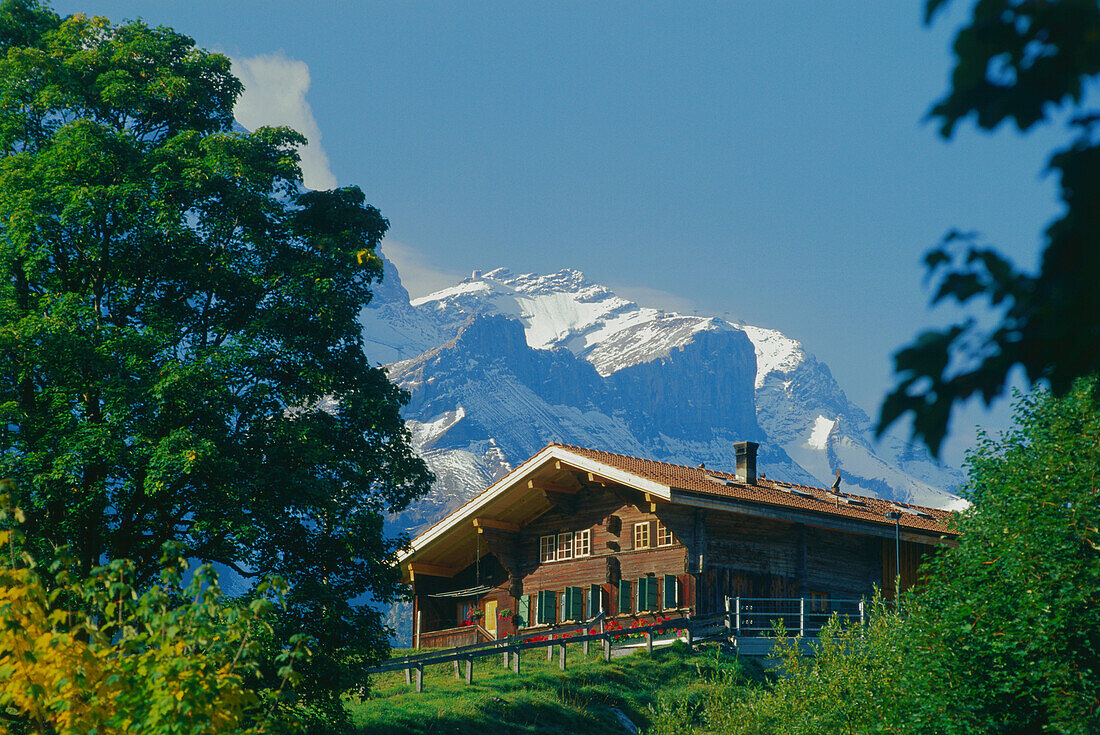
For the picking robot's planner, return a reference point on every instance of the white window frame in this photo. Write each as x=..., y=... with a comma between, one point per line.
x=582, y=543
x=642, y=530
x=548, y=544
x=565, y=546
x=662, y=531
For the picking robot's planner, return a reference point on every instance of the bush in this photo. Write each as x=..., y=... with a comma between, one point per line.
x=82, y=654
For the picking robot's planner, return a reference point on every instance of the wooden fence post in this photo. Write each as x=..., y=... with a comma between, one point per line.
x=606, y=647
x=419, y=678
x=408, y=673
x=469, y=670
x=649, y=641
x=515, y=661
x=561, y=656
x=506, y=654
x=457, y=675
x=550, y=650
x=689, y=633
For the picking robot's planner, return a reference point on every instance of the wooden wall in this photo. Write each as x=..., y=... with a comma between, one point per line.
x=912, y=556
x=714, y=554
x=613, y=554
x=757, y=557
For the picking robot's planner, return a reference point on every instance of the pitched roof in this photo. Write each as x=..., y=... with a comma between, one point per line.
x=770, y=492
x=512, y=499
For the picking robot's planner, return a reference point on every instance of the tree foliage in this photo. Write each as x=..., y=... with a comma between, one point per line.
x=1019, y=60
x=180, y=357
x=1007, y=627
x=93, y=654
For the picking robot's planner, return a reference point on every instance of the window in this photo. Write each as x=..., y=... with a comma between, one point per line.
x=664, y=536
x=582, y=543
x=572, y=604
x=546, y=548
x=565, y=546
x=595, y=600
x=819, y=603
x=641, y=535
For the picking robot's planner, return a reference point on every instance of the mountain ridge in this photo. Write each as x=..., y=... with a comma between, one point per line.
x=499, y=364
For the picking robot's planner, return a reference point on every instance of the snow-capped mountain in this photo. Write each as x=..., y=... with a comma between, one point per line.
x=500, y=364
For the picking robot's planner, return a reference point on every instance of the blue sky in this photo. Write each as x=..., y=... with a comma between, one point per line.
x=763, y=161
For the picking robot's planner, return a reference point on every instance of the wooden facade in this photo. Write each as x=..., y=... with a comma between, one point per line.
x=568, y=534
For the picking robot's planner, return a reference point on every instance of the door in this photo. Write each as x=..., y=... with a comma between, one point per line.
x=491, y=617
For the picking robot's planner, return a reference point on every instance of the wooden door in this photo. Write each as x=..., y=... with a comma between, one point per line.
x=491, y=617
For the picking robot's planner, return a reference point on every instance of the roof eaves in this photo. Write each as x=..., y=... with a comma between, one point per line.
x=468, y=508
x=616, y=474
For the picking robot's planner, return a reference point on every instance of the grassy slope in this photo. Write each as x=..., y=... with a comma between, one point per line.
x=543, y=699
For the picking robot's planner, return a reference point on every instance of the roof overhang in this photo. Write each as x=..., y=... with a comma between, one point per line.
x=808, y=518
x=513, y=501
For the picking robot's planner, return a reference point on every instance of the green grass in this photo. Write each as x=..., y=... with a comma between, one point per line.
x=543, y=699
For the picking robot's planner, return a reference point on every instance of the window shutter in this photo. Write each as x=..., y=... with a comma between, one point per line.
x=595, y=600
x=624, y=596
x=671, y=599
x=546, y=611
x=647, y=593
x=576, y=603
x=525, y=611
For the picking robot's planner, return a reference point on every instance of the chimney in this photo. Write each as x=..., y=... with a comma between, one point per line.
x=746, y=461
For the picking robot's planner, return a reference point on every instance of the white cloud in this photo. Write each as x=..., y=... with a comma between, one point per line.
x=275, y=89
x=418, y=275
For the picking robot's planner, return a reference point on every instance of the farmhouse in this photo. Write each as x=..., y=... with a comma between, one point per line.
x=573, y=531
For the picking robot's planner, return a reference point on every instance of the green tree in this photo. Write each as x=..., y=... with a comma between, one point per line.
x=1019, y=60
x=1007, y=627
x=180, y=358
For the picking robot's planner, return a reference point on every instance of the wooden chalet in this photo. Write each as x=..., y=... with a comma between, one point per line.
x=574, y=531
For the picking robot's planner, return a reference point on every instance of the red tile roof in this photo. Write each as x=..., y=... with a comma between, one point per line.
x=773, y=493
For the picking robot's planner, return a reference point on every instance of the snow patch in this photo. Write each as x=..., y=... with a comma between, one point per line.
x=819, y=435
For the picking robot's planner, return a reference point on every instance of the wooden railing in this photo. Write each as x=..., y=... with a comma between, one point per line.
x=747, y=623
x=465, y=635
x=557, y=636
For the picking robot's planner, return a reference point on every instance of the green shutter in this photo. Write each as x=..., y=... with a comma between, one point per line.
x=647, y=593
x=595, y=600
x=624, y=596
x=525, y=611
x=576, y=603
x=670, y=597
x=547, y=615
